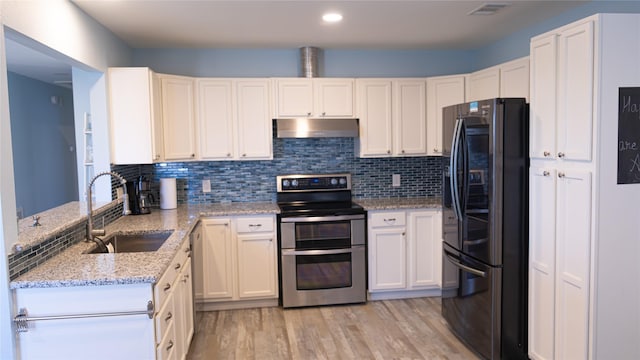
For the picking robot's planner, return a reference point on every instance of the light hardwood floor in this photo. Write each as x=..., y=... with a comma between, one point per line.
x=390, y=329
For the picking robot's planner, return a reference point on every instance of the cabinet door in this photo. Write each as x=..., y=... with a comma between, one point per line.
x=387, y=259
x=178, y=119
x=425, y=248
x=575, y=92
x=254, y=123
x=573, y=244
x=374, y=111
x=215, y=119
x=333, y=97
x=295, y=97
x=484, y=84
x=132, y=116
x=441, y=92
x=542, y=118
x=215, y=254
x=184, y=311
x=542, y=242
x=257, y=271
x=410, y=117
x=514, y=78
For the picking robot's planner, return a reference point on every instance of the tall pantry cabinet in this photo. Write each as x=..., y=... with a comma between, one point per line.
x=584, y=282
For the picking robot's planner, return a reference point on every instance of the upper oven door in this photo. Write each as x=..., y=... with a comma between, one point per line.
x=322, y=232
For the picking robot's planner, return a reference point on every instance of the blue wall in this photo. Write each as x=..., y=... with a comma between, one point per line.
x=285, y=62
x=42, y=135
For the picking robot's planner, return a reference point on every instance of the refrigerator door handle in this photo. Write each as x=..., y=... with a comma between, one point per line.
x=453, y=164
x=466, y=268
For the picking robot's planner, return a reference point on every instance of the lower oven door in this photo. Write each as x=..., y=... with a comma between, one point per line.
x=323, y=277
x=471, y=301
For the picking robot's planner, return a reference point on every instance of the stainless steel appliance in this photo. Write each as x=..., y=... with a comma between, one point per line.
x=140, y=196
x=321, y=241
x=485, y=225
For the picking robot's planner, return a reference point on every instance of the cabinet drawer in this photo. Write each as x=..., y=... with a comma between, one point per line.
x=254, y=224
x=165, y=318
x=386, y=219
x=166, y=347
x=165, y=285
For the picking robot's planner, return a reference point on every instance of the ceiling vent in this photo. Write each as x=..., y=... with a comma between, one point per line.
x=488, y=9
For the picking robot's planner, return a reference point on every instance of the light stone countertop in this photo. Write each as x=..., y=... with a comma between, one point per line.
x=73, y=267
x=400, y=203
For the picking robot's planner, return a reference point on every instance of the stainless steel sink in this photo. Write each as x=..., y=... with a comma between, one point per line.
x=136, y=242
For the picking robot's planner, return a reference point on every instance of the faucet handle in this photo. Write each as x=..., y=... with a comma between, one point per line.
x=36, y=221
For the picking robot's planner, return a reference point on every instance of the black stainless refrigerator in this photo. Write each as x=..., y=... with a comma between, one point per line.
x=485, y=225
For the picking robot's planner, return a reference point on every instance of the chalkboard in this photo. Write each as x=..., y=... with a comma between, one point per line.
x=629, y=135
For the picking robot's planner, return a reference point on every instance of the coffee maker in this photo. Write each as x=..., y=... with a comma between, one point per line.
x=140, y=197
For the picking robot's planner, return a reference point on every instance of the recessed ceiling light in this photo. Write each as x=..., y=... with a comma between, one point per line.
x=332, y=17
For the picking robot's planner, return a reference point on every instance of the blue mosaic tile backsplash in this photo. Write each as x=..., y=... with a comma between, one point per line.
x=246, y=181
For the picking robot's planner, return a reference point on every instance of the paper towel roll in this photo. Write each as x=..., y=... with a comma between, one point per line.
x=168, y=193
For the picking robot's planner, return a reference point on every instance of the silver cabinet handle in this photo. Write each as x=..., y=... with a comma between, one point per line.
x=388, y=151
x=546, y=154
x=255, y=225
x=168, y=317
x=545, y=173
x=167, y=287
x=436, y=150
x=390, y=220
x=177, y=266
x=193, y=155
x=403, y=151
x=560, y=154
x=308, y=114
x=170, y=345
x=561, y=175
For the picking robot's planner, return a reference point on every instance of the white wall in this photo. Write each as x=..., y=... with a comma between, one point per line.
x=58, y=27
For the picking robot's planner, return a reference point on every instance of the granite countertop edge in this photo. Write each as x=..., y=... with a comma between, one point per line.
x=74, y=267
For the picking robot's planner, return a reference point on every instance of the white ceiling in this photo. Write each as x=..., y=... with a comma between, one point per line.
x=367, y=24
x=391, y=24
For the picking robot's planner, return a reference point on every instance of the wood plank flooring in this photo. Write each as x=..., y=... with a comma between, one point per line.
x=389, y=329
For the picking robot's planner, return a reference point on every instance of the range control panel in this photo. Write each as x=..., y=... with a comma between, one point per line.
x=328, y=182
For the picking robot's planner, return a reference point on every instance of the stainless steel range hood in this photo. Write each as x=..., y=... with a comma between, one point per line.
x=316, y=128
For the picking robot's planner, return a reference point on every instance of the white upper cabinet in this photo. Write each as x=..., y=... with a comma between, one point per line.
x=514, y=78
x=542, y=117
x=410, y=117
x=215, y=118
x=178, y=117
x=314, y=97
x=562, y=123
x=484, y=84
x=233, y=119
x=392, y=115
x=135, y=117
x=255, y=131
x=442, y=91
x=375, y=112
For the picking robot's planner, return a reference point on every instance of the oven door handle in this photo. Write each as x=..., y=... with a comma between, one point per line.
x=290, y=252
x=321, y=218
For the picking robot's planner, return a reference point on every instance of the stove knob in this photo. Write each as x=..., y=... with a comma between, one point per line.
x=334, y=181
x=285, y=183
x=343, y=181
x=294, y=182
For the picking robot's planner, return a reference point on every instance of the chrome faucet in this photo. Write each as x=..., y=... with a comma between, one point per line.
x=91, y=232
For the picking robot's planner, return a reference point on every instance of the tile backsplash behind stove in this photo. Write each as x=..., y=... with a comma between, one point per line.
x=245, y=181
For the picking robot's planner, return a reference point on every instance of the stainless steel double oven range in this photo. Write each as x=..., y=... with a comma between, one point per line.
x=321, y=241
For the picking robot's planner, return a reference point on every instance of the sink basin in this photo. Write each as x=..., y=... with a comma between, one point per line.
x=138, y=242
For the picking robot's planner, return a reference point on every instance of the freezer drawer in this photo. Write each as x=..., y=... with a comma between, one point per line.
x=472, y=305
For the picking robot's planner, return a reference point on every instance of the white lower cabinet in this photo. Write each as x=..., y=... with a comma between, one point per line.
x=236, y=261
x=161, y=327
x=404, y=253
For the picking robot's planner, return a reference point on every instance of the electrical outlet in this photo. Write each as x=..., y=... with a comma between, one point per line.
x=395, y=180
x=206, y=186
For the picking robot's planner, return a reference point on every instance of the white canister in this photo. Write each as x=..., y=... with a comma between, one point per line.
x=168, y=193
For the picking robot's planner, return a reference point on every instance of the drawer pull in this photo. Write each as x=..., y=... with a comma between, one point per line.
x=177, y=266
x=545, y=173
x=255, y=225
x=167, y=287
x=547, y=154
x=390, y=220
x=170, y=345
x=168, y=317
